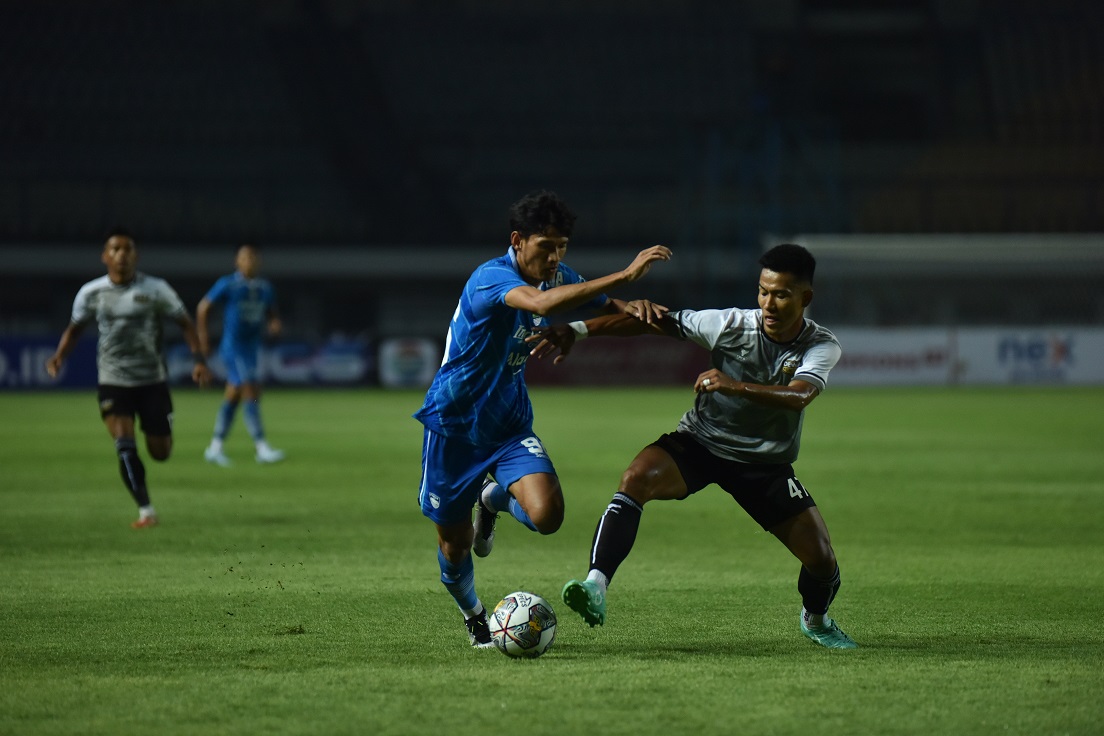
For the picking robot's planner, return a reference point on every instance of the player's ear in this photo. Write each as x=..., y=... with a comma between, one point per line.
x=516, y=239
x=806, y=297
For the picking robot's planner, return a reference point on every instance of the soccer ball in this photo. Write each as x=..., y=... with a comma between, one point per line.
x=523, y=625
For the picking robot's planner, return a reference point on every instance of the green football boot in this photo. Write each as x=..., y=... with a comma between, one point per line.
x=829, y=635
x=585, y=598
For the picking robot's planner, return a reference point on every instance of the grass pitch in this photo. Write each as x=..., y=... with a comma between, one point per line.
x=303, y=598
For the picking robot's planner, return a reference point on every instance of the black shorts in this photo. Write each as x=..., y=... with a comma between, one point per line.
x=151, y=403
x=769, y=492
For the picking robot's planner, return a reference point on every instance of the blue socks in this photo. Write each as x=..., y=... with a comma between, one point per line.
x=459, y=581
x=252, y=414
x=224, y=419
x=501, y=500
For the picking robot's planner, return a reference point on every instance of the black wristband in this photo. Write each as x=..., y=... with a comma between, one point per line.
x=199, y=359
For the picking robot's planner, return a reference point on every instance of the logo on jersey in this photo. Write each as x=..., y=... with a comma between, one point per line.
x=789, y=367
x=141, y=298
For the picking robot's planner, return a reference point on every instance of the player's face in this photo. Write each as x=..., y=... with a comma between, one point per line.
x=783, y=299
x=539, y=255
x=248, y=261
x=120, y=255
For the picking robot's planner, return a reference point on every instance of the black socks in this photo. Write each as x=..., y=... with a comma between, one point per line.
x=132, y=470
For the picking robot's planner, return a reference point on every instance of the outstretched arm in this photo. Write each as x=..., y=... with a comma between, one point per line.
x=643, y=309
x=65, y=346
x=569, y=296
x=562, y=337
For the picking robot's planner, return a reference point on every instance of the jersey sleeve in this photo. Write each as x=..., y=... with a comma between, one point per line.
x=494, y=281
x=710, y=328
x=172, y=306
x=217, y=293
x=83, y=313
x=817, y=362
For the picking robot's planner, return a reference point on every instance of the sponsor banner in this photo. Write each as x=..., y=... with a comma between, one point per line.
x=408, y=361
x=337, y=362
x=972, y=355
x=616, y=361
x=23, y=363
x=871, y=357
x=901, y=357
x=1051, y=355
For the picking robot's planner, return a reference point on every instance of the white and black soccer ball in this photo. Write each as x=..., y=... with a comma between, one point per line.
x=523, y=625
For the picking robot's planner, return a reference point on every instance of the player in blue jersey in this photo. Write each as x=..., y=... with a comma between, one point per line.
x=249, y=312
x=479, y=448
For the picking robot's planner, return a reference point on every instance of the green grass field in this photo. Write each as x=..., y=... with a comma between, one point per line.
x=304, y=598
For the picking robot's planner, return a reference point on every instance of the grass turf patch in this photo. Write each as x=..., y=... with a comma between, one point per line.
x=304, y=597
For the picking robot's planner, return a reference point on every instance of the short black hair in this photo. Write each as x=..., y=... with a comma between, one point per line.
x=790, y=258
x=538, y=211
x=118, y=231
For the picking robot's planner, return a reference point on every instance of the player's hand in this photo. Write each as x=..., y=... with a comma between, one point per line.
x=53, y=365
x=550, y=339
x=646, y=311
x=275, y=327
x=713, y=381
x=644, y=260
x=201, y=374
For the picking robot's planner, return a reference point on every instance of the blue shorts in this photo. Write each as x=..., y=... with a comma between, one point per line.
x=453, y=472
x=241, y=366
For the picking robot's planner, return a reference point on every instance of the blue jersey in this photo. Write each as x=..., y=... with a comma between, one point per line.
x=479, y=393
x=246, y=305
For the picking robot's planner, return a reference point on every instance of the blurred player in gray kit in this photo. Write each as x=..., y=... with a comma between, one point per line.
x=128, y=308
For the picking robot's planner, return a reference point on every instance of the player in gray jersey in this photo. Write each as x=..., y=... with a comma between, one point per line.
x=742, y=433
x=129, y=308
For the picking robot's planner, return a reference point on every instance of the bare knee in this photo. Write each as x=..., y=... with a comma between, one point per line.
x=641, y=482
x=159, y=448
x=455, y=542
x=549, y=516
x=822, y=560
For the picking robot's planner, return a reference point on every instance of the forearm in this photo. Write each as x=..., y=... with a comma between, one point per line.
x=201, y=327
x=67, y=341
x=794, y=398
x=192, y=337
x=626, y=325
x=568, y=296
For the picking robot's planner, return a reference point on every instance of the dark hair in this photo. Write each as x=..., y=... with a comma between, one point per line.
x=790, y=258
x=536, y=212
x=117, y=231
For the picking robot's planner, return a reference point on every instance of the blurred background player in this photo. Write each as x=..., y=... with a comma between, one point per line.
x=128, y=308
x=477, y=415
x=249, y=310
x=742, y=433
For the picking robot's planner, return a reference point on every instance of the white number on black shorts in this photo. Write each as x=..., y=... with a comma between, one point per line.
x=796, y=491
x=534, y=446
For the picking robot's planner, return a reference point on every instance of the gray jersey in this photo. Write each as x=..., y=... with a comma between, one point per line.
x=734, y=427
x=129, y=318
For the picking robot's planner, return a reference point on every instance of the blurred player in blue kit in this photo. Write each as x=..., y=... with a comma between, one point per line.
x=249, y=312
x=479, y=448
x=129, y=308
x=742, y=433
